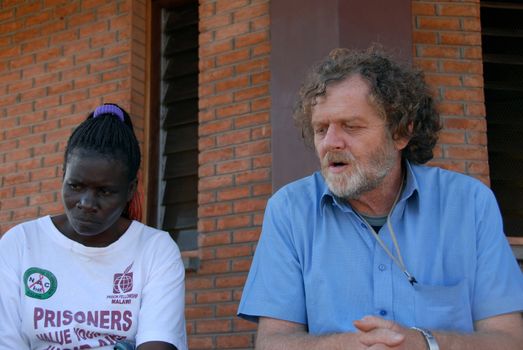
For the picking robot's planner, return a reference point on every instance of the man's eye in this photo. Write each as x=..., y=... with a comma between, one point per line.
x=320, y=130
x=350, y=127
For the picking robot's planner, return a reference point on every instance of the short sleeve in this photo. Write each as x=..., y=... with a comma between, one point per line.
x=10, y=304
x=274, y=286
x=161, y=316
x=499, y=283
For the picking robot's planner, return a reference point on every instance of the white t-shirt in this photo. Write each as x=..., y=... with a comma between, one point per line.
x=57, y=294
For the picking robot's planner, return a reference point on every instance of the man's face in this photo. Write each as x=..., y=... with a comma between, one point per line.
x=353, y=143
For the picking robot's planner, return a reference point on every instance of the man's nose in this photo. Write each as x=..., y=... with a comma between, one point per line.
x=334, y=137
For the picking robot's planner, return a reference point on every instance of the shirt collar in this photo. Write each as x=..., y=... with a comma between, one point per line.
x=326, y=196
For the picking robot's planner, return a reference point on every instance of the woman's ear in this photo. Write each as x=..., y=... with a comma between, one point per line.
x=133, y=186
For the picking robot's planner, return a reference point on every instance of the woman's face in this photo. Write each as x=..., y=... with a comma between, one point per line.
x=95, y=191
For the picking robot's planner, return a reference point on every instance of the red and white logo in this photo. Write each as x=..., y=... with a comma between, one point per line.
x=123, y=282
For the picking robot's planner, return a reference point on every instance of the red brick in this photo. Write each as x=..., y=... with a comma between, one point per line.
x=208, y=225
x=33, y=94
x=247, y=235
x=459, y=10
x=215, y=22
x=15, y=179
x=460, y=38
x=233, y=221
x=14, y=203
x=41, y=198
x=213, y=267
x=213, y=326
x=251, y=93
x=217, y=209
x=475, y=110
x=439, y=80
x=249, y=205
x=477, y=167
x=22, y=214
x=233, y=252
x=439, y=51
x=466, y=152
x=253, y=148
x=234, y=137
x=254, y=65
x=466, y=124
x=212, y=156
x=215, y=101
x=233, y=83
x=263, y=49
x=233, y=166
x=250, y=12
x=234, y=193
x=438, y=23
x=260, y=23
x=465, y=94
x=215, y=48
x=198, y=342
x=251, y=39
x=234, y=341
x=257, y=175
x=233, y=110
x=476, y=138
x=423, y=9
x=212, y=239
x=241, y=325
x=451, y=137
x=232, y=57
x=230, y=31
x=195, y=312
x=261, y=104
x=194, y=283
x=18, y=86
x=17, y=154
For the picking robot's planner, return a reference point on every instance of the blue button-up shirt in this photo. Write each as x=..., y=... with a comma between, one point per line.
x=318, y=264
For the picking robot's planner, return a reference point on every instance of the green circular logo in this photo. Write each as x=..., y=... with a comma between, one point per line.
x=39, y=283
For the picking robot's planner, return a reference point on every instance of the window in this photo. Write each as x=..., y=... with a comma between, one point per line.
x=502, y=41
x=173, y=196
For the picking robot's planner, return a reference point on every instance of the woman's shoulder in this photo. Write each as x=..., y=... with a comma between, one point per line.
x=154, y=238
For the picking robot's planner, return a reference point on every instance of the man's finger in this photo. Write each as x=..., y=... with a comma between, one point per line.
x=381, y=336
x=369, y=323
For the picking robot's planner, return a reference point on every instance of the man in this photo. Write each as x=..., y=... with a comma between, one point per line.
x=355, y=256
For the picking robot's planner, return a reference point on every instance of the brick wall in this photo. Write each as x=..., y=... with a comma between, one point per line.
x=235, y=166
x=447, y=45
x=58, y=60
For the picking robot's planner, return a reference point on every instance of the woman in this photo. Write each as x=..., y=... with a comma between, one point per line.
x=93, y=277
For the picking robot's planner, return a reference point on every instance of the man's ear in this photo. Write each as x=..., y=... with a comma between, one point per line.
x=133, y=186
x=401, y=142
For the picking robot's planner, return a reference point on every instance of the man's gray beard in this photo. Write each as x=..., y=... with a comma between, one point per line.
x=359, y=181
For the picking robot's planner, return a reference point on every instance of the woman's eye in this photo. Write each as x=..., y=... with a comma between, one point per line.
x=74, y=187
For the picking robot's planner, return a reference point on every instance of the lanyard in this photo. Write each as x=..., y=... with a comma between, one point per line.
x=397, y=260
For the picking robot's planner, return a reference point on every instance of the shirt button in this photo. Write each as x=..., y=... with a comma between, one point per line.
x=382, y=267
x=363, y=225
x=383, y=312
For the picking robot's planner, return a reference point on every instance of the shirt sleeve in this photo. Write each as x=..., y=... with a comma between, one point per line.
x=499, y=284
x=274, y=286
x=161, y=316
x=11, y=336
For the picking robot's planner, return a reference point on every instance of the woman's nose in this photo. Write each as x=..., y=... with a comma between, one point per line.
x=87, y=201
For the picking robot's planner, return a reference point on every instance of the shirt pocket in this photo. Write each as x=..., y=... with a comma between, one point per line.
x=443, y=307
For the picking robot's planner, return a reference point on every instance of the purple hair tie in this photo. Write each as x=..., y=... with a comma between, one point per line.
x=108, y=109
